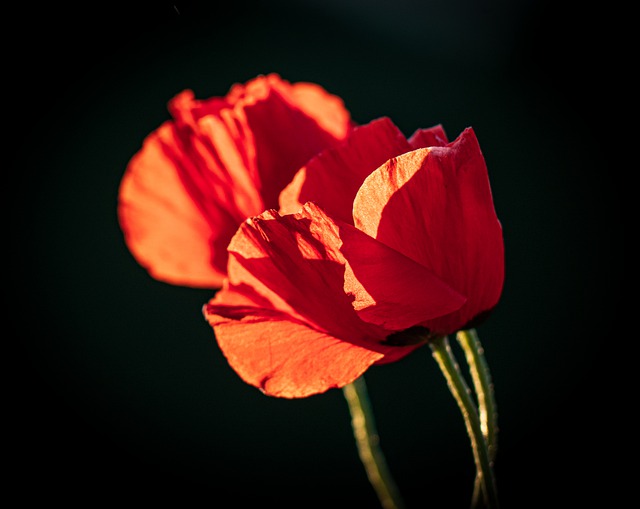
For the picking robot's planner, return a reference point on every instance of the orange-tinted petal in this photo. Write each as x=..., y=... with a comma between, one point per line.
x=285, y=318
x=290, y=125
x=333, y=177
x=284, y=357
x=435, y=206
x=164, y=227
x=327, y=109
x=198, y=177
x=331, y=275
x=294, y=262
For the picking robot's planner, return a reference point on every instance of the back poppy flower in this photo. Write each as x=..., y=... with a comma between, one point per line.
x=217, y=162
x=397, y=242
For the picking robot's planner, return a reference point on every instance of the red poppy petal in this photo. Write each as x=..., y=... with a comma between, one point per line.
x=435, y=206
x=291, y=124
x=320, y=271
x=348, y=164
x=218, y=155
x=198, y=177
x=391, y=290
x=163, y=226
x=283, y=357
x=430, y=137
x=294, y=262
x=327, y=109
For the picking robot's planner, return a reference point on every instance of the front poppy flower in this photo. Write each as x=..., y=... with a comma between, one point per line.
x=397, y=242
x=217, y=162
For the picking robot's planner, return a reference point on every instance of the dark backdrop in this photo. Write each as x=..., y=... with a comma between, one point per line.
x=118, y=390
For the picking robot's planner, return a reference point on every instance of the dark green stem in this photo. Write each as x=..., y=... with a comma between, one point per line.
x=368, y=443
x=460, y=390
x=481, y=377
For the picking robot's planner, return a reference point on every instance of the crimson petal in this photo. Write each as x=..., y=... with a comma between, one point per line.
x=333, y=177
x=290, y=125
x=430, y=137
x=294, y=261
x=435, y=206
x=390, y=289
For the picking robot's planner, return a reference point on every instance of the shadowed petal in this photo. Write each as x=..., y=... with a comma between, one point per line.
x=435, y=206
x=333, y=177
x=217, y=154
x=164, y=227
x=218, y=162
x=335, y=278
x=294, y=262
x=391, y=290
x=290, y=125
x=321, y=270
x=327, y=109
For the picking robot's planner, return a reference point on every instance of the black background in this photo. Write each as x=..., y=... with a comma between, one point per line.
x=117, y=390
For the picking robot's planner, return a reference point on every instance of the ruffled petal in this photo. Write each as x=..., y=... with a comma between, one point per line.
x=218, y=162
x=333, y=177
x=219, y=145
x=290, y=125
x=336, y=278
x=295, y=263
x=435, y=206
x=164, y=227
x=281, y=356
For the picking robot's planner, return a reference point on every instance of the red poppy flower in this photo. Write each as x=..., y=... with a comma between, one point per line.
x=397, y=240
x=217, y=162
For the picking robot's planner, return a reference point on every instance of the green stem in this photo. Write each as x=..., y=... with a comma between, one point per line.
x=368, y=443
x=458, y=387
x=481, y=377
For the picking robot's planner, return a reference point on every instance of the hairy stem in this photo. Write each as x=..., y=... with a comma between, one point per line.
x=481, y=377
x=459, y=389
x=368, y=443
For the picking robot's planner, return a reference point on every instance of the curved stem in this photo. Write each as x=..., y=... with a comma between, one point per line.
x=481, y=377
x=368, y=443
x=458, y=387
